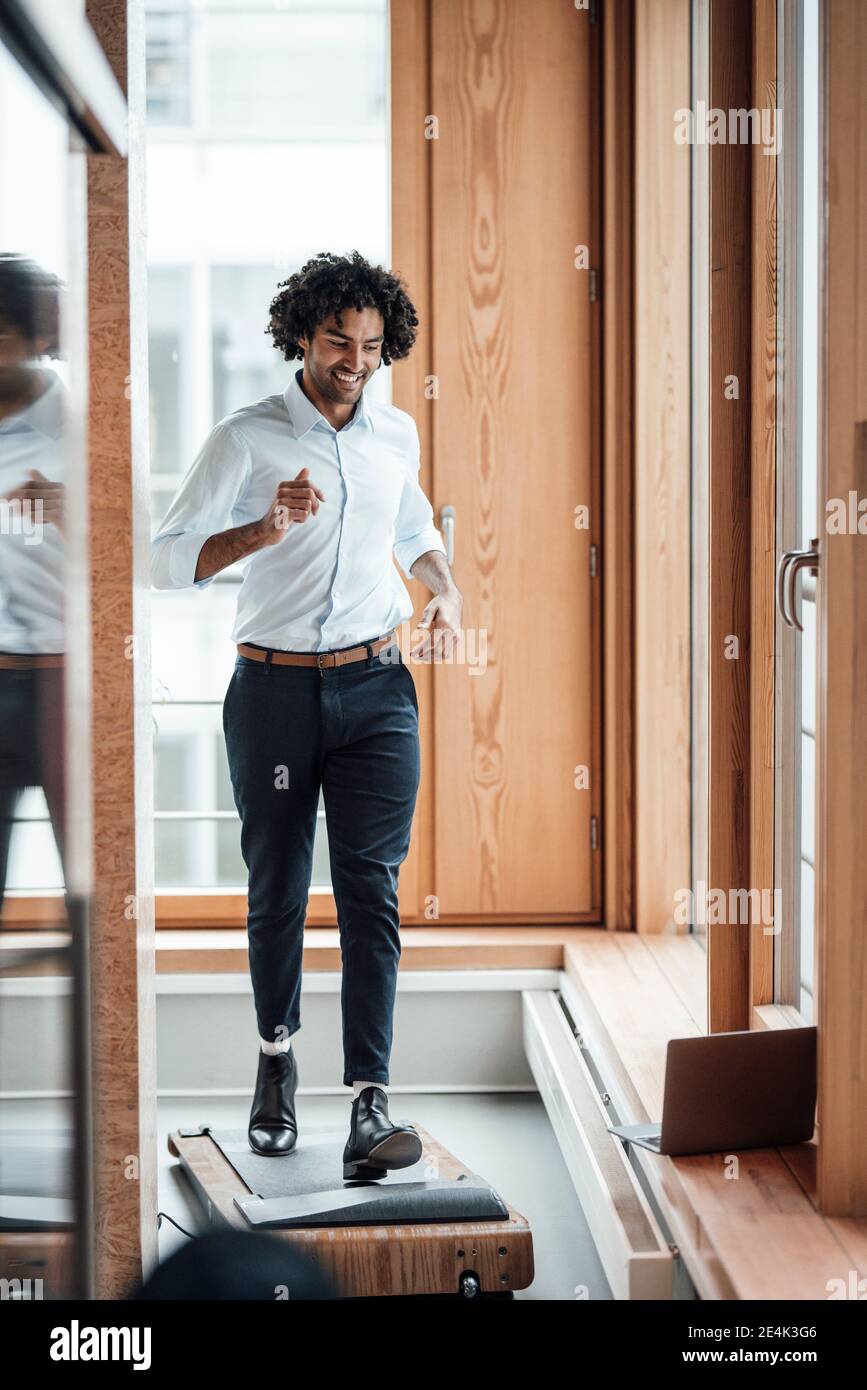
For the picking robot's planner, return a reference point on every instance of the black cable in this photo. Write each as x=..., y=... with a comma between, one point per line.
x=161, y=1214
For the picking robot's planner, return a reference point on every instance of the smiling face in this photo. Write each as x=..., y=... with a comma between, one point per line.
x=339, y=358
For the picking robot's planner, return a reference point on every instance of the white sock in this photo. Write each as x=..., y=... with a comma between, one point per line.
x=358, y=1087
x=274, y=1049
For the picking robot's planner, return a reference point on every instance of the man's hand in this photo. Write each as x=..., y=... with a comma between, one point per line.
x=40, y=489
x=293, y=502
x=440, y=625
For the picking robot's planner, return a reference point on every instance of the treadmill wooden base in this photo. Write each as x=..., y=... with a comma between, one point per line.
x=377, y=1261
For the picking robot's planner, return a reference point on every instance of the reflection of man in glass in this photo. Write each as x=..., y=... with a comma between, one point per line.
x=32, y=399
x=315, y=489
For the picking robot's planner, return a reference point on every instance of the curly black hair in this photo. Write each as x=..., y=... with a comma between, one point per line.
x=327, y=284
x=30, y=301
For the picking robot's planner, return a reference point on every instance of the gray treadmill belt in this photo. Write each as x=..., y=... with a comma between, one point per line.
x=314, y=1165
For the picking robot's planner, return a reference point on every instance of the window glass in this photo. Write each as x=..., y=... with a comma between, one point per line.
x=798, y=432
x=267, y=142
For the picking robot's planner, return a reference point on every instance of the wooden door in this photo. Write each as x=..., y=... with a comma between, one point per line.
x=841, y=714
x=511, y=431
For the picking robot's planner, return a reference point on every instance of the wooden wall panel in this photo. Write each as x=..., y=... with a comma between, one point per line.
x=410, y=257
x=662, y=463
x=729, y=395
x=841, y=882
x=513, y=437
x=122, y=917
x=617, y=465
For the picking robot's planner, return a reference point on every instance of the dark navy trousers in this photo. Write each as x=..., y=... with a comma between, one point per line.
x=353, y=731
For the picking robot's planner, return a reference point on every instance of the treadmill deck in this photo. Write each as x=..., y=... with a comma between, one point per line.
x=434, y=1257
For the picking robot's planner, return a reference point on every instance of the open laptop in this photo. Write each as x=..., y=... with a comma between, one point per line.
x=727, y=1091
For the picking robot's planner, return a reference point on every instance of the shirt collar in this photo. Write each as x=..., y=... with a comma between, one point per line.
x=303, y=414
x=45, y=414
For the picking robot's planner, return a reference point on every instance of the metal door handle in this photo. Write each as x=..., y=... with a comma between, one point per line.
x=447, y=526
x=787, y=572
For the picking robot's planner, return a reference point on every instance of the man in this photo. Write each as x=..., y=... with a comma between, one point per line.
x=313, y=489
x=32, y=562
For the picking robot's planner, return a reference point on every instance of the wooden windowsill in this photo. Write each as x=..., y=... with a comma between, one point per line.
x=422, y=948
x=759, y=1235
x=223, y=950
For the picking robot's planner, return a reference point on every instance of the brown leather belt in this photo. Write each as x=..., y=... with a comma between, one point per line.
x=26, y=661
x=321, y=660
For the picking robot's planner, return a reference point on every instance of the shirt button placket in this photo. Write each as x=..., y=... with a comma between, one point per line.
x=334, y=590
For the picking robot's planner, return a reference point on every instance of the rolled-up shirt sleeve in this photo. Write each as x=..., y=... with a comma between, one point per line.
x=415, y=531
x=201, y=507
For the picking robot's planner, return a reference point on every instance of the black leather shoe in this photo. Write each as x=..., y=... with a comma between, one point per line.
x=374, y=1143
x=272, y=1129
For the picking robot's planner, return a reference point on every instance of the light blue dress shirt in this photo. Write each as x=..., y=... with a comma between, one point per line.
x=330, y=582
x=32, y=565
